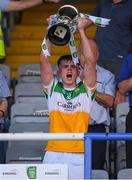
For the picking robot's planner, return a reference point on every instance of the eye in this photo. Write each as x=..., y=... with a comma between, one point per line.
x=73, y=66
x=65, y=66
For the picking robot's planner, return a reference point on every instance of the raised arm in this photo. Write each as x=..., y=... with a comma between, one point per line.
x=46, y=68
x=24, y=4
x=87, y=55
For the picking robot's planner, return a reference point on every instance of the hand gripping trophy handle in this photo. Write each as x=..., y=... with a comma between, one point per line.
x=63, y=25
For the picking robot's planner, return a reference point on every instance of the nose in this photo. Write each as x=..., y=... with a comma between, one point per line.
x=69, y=67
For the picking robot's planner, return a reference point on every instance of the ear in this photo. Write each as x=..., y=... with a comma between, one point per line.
x=58, y=73
x=78, y=73
x=97, y=56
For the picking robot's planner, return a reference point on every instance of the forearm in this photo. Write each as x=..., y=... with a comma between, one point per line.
x=125, y=86
x=88, y=59
x=104, y=99
x=3, y=107
x=89, y=74
x=23, y=4
x=85, y=46
x=45, y=66
x=45, y=69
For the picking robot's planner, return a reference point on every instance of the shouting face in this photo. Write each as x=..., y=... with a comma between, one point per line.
x=68, y=73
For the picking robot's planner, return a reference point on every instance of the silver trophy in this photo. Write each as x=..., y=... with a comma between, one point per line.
x=59, y=33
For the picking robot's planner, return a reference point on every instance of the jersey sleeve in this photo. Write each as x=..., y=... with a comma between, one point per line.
x=48, y=89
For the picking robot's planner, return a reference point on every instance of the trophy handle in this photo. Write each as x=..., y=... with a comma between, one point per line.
x=68, y=11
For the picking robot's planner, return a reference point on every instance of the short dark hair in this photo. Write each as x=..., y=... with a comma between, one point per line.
x=64, y=58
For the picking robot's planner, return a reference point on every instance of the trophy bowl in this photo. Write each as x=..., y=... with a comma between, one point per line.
x=59, y=33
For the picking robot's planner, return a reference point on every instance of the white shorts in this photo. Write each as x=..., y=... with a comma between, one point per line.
x=74, y=161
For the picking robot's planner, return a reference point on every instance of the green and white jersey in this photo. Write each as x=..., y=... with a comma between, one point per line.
x=69, y=113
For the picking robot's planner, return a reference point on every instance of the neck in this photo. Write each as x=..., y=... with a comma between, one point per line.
x=68, y=86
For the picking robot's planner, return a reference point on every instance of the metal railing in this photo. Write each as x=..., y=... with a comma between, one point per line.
x=88, y=138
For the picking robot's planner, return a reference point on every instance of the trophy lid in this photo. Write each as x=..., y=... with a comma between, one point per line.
x=68, y=11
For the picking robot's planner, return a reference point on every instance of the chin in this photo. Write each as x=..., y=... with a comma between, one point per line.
x=71, y=83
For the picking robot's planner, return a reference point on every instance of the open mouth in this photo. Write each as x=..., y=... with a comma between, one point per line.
x=69, y=76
